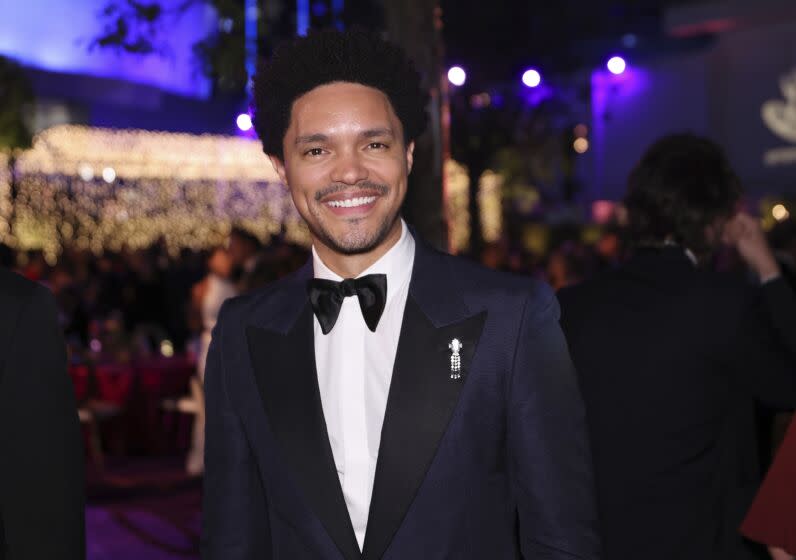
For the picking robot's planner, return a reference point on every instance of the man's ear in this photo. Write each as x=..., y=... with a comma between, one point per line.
x=279, y=167
x=410, y=156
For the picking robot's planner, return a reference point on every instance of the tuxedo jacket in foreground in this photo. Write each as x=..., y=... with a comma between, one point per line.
x=671, y=360
x=493, y=465
x=41, y=453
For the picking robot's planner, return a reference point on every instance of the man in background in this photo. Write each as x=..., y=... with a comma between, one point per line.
x=41, y=455
x=671, y=358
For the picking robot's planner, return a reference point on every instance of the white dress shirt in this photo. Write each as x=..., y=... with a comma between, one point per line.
x=354, y=372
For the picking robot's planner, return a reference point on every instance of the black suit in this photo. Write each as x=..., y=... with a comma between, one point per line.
x=493, y=465
x=670, y=361
x=41, y=456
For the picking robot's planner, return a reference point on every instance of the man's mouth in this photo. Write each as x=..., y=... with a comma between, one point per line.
x=355, y=202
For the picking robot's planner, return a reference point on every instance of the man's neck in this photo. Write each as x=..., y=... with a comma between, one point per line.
x=351, y=266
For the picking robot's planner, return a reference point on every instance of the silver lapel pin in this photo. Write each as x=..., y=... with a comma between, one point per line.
x=456, y=359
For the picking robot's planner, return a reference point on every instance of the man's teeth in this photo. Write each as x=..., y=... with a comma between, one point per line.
x=351, y=202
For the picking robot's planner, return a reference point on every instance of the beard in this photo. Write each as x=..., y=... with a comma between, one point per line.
x=356, y=240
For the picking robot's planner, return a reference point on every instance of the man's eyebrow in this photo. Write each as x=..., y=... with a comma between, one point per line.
x=311, y=138
x=376, y=132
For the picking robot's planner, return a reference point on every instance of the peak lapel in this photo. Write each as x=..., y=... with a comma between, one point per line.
x=284, y=366
x=422, y=394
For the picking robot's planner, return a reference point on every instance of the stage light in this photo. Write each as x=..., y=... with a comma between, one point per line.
x=531, y=78
x=616, y=65
x=244, y=122
x=457, y=76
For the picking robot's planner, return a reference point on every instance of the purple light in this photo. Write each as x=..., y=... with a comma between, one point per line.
x=531, y=78
x=457, y=75
x=244, y=122
x=616, y=65
x=46, y=43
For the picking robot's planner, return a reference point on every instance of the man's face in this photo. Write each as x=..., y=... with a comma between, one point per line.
x=346, y=164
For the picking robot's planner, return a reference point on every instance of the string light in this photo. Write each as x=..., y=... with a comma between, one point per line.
x=490, y=204
x=186, y=190
x=5, y=197
x=457, y=203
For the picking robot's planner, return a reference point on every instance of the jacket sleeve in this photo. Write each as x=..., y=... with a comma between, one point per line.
x=550, y=462
x=765, y=345
x=235, y=523
x=780, y=303
x=42, y=477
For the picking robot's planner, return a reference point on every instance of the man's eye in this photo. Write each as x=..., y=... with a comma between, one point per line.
x=377, y=146
x=314, y=152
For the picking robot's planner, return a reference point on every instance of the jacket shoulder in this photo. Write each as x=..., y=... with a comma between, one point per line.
x=480, y=283
x=16, y=293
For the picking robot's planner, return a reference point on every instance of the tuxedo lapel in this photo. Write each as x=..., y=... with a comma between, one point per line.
x=284, y=366
x=422, y=394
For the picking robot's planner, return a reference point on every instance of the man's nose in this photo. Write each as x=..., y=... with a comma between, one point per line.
x=349, y=169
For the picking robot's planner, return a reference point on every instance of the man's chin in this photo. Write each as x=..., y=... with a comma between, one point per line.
x=353, y=243
x=353, y=246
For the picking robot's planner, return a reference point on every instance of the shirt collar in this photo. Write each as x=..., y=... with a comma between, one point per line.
x=395, y=263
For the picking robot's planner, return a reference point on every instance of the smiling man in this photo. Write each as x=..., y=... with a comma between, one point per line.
x=387, y=400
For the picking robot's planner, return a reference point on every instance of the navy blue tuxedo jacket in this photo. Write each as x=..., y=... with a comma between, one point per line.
x=494, y=465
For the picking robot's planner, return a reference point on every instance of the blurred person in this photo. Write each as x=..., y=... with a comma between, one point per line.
x=208, y=296
x=772, y=518
x=671, y=358
x=567, y=265
x=252, y=268
x=41, y=456
x=479, y=451
x=35, y=266
x=610, y=247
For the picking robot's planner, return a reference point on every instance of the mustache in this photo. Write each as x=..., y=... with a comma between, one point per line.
x=334, y=189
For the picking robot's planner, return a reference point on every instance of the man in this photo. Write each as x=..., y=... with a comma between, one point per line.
x=41, y=455
x=671, y=357
x=434, y=412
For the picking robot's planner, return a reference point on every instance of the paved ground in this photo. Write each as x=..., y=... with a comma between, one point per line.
x=143, y=510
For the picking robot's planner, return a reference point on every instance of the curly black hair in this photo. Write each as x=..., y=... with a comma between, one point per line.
x=328, y=56
x=681, y=185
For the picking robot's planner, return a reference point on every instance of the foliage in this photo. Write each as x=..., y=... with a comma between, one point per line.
x=16, y=94
x=141, y=27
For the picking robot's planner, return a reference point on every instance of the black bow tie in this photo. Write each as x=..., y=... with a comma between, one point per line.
x=326, y=297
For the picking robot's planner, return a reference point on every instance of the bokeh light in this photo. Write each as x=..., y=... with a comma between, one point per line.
x=531, y=78
x=616, y=65
x=457, y=76
x=244, y=122
x=780, y=212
